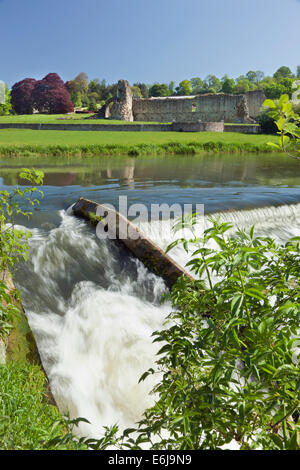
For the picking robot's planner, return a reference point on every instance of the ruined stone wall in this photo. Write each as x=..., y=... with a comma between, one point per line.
x=255, y=101
x=122, y=106
x=208, y=107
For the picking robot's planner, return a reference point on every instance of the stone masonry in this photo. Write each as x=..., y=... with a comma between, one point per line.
x=205, y=108
x=122, y=106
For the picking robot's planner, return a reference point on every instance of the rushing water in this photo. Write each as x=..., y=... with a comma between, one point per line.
x=92, y=307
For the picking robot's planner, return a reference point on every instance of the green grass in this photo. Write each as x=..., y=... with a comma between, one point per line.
x=62, y=119
x=27, y=420
x=29, y=142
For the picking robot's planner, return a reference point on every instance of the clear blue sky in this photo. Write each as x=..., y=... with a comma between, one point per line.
x=147, y=40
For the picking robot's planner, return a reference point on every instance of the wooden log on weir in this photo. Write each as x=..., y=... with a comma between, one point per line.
x=153, y=257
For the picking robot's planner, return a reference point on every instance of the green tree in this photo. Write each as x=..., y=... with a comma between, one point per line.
x=172, y=87
x=212, y=81
x=228, y=85
x=255, y=77
x=159, y=89
x=136, y=91
x=283, y=72
x=198, y=85
x=144, y=89
x=6, y=107
x=184, y=88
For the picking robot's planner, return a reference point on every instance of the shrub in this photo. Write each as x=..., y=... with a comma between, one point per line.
x=228, y=360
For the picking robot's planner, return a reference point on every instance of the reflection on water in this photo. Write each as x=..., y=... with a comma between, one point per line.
x=221, y=182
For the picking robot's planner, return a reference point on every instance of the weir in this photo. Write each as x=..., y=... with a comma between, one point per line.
x=153, y=257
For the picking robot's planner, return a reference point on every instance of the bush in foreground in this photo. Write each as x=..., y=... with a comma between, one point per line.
x=228, y=365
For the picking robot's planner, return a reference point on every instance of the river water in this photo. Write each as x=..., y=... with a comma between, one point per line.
x=92, y=307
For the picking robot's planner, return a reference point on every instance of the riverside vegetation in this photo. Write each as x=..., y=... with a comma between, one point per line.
x=27, y=419
x=14, y=142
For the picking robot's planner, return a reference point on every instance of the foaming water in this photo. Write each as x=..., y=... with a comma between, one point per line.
x=92, y=311
x=280, y=223
x=93, y=308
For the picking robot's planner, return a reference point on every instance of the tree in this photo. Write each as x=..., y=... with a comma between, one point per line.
x=159, y=89
x=283, y=72
x=198, y=85
x=136, y=91
x=172, y=87
x=228, y=84
x=184, y=88
x=21, y=98
x=298, y=72
x=144, y=89
x=51, y=96
x=212, y=81
x=79, y=88
x=243, y=86
x=5, y=107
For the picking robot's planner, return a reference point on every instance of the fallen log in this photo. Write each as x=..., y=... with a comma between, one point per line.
x=153, y=257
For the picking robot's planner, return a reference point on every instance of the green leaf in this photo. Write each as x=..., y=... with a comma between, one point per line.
x=269, y=104
x=237, y=303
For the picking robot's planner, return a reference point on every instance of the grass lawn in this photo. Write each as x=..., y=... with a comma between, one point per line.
x=21, y=141
x=26, y=136
x=62, y=119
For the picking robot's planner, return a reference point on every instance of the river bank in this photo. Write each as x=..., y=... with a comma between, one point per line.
x=24, y=142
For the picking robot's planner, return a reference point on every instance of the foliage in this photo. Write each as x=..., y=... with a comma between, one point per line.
x=51, y=96
x=6, y=107
x=288, y=125
x=283, y=72
x=21, y=96
x=274, y=90
x=143, y=88
x=14, y=241
x=28, y=421
x=159, y=89
x=228, y=365
x=228, y=85
x=48, y=95
x=184, y=88
x=212, y=81
x=266, y=122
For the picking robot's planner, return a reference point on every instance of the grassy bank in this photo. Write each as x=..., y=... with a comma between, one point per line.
x=62, y=119
x=30, y=142
x=28, y=421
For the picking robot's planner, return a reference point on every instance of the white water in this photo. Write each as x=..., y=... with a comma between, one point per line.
x=92, y=313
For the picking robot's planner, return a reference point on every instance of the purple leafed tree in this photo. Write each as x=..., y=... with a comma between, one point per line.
x=50, y=95
x=21, y=96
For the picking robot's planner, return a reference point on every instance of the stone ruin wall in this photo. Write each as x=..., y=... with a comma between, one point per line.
x=206, y=108
x=255, y=101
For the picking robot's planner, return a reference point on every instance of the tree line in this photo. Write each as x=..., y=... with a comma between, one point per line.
x=51, y=95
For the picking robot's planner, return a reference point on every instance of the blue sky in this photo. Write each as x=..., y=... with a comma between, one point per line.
x=147, y=40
